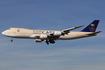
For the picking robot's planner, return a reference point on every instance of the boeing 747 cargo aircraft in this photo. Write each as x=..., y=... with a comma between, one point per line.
x=49, y=36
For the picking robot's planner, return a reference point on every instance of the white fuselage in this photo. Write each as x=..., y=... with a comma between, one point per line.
x=33, y=34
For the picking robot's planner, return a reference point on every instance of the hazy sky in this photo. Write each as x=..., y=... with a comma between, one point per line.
x=25, y=54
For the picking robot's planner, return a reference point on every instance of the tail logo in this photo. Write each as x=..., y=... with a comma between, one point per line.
x=92, y=28
x=92, y=25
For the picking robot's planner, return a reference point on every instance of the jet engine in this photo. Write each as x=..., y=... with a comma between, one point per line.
x=43, y=36
x=57, y=33
x=38, y=40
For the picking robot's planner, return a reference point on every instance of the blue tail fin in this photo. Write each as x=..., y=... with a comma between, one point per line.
x=91, y=27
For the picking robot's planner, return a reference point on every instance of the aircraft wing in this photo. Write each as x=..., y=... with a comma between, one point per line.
x=56, y=33
x=67, y=30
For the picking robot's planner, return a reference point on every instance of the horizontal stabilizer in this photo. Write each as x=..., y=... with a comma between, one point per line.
x=94, y=33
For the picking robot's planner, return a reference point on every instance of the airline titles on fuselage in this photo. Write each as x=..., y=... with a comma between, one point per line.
x=42, y=32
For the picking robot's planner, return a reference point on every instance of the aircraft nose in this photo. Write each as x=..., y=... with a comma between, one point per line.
x=3, y=33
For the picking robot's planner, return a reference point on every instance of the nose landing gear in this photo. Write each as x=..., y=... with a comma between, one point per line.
x=11, y=39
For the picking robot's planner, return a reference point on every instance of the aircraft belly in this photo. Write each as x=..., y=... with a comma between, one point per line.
x=18, y=35
x=70, y=37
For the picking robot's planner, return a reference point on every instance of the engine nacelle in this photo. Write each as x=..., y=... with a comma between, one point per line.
x=38, y=40
x=43, y=36
x=57, y=33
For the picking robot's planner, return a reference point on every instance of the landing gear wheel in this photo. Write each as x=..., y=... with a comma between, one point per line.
x=52, y=41
x=11, y=40
x=46, y=42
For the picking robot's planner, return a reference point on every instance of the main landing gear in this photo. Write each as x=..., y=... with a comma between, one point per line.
x=50, y=41
x=47, y=42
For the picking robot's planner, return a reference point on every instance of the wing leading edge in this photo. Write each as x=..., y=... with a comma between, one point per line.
x=66, y=31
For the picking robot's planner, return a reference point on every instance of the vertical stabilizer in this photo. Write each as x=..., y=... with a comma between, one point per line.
x=91, y=27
